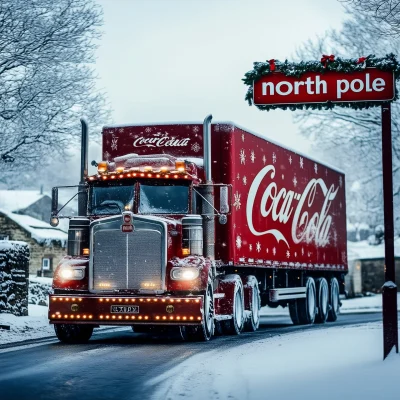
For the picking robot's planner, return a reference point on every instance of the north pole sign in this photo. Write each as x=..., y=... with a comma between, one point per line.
x=371, y=84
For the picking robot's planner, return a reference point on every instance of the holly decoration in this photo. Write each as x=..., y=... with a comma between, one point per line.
x=327, y=63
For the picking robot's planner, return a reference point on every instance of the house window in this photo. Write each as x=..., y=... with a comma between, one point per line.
x=46, y=264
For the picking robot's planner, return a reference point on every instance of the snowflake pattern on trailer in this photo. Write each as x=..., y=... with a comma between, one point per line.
x=290, y=160
x=238, y=242
x=302, y=251
x=258, y=246
x=274, y=158
x=301, y=162
x=237, y=203
x=195, y=147
x=121, y=130
x=107, y=155
x=267, y=251
x=252, y=157
x=244, y=180
x=295, y=254
x=335, y=237
x=114, y=143
x=287, y=254
x=274, y=251
x=251, y=247
x=316, y=168
x=238, y=176
x=264, y=159
x=196, y=129
x=242, y=137
x=326, y=172
x=242, y=156
x=283, y=177
x=294, y=181
x=148, y=130
x=340, y=181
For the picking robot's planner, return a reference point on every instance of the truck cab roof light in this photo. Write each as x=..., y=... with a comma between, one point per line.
x=102, y=167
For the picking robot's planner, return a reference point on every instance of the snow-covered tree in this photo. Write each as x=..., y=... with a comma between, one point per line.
x=385, y=12
x=351, y=139
x=46, y=81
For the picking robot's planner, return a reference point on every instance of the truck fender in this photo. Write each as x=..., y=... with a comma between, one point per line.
x=223, y=296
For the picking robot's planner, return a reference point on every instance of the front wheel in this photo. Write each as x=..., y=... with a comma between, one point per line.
x=73, y=333
x=205, y=331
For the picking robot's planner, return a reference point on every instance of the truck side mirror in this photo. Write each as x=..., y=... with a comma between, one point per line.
x=224, y=199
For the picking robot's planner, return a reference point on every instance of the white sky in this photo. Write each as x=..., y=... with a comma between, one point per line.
x=179, y=60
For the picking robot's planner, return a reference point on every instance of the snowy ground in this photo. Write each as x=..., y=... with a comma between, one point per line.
x=36, y=325
x=330, y=364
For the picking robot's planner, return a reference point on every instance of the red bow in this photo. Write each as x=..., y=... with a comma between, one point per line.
x=361, y=60
x=272, y=65
x=325, y=59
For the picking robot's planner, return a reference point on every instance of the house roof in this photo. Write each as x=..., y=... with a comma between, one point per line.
x=40, y=231
x=364, y=251
x=15, y=200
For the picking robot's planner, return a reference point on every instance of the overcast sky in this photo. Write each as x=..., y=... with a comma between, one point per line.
x=178, y=60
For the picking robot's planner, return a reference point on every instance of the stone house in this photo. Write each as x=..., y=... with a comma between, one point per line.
x=47, y=244
x=26, y=202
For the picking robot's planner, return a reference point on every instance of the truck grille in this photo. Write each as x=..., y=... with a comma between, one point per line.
x=128, y=261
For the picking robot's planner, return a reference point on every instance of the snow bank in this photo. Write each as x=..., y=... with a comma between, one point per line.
x=39, y=290
x=329, y=364
x=14, y=270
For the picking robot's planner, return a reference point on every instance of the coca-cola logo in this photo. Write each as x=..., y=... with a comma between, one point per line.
x=279, y=205
x=160, y=141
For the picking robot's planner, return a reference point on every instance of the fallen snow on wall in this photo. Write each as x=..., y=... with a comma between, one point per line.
x=328, y=364
x=363, y=250
x=40, y=231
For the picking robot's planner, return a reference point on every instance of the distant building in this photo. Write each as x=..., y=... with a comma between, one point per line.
x=26, y=202
x=47, y=244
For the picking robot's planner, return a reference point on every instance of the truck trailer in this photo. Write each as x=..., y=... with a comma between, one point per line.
x=193, y=227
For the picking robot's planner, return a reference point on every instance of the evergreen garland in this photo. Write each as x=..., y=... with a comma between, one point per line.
x=387, y=63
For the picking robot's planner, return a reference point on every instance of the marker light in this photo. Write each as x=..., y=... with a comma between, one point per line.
x=185, y=252
x=119, y=170
x=184, y=274
x=147, y=168
x=180, y=165
x=102, y=167
x=85, y=252
x=164, y=169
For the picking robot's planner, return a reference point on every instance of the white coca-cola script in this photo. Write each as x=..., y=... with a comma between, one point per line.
x=160, y=141
x=278, y=203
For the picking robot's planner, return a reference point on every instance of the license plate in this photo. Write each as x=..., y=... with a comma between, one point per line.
x=125, y=309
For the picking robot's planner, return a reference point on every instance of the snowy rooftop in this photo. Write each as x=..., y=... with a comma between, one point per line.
x=14, y=200
x=363, y=250
x=40, y=231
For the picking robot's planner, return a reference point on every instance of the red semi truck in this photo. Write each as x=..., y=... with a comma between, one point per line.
x=194, y=227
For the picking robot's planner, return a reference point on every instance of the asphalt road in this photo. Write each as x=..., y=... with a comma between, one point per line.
x=118, y=364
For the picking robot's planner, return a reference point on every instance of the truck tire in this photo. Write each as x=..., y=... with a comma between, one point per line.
x=234, y=326
x=205, y=331
x=252, y=303
x=334, y=302
x=322, y=300
x=303, y=311
x=73, y=333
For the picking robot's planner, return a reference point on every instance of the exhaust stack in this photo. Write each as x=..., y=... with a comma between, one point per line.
x=82, y=196
x=208, y=193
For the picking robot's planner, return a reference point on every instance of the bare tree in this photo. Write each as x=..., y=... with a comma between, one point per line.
x=46, y=82
x=385, y=12
x=351, y=139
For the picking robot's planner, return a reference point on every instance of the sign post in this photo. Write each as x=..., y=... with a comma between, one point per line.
x=352, y=83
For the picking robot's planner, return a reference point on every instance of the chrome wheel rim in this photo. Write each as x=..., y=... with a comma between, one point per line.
x=238, y=309
x=311, y=301
x=324, y=298
x=255, y=305
x=208, y=310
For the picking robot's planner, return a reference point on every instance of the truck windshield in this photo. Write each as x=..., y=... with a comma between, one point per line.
x=108, y=200
x=164, y=199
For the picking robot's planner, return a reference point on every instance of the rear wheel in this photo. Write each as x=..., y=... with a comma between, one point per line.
x=253, y=320
x=235, y=325
x=322, y=300
x=303, y=311
x=73, y=333
x=334, y=302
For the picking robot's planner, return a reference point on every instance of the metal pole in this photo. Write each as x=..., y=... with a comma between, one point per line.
x=389, y=290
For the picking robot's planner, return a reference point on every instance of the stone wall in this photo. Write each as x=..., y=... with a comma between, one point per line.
x=38, y=251
x=373, y=275
x=14, y=277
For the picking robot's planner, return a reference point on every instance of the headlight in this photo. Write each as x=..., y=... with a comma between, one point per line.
x=70, y=274
x=184, y=274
